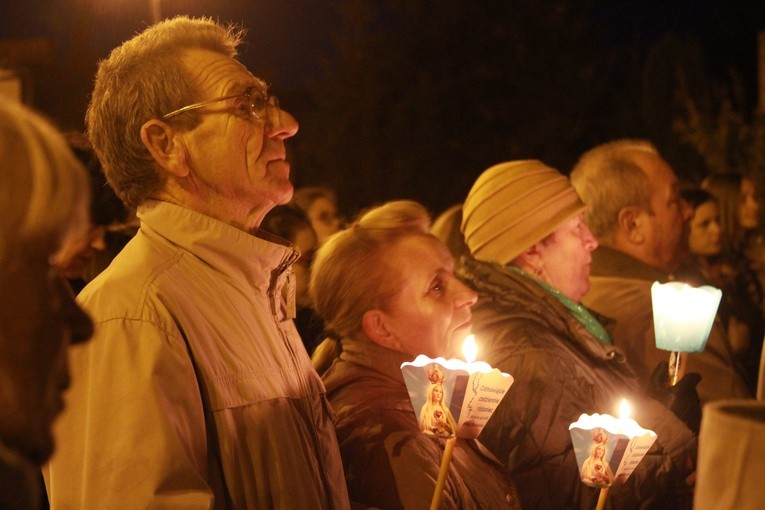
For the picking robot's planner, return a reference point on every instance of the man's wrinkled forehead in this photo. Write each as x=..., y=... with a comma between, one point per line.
x=211, y=70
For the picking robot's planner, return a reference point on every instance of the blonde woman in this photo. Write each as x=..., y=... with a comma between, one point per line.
x=385, y=288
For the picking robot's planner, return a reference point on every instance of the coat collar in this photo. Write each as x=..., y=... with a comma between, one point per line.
x=609, y=262
x=258, y=259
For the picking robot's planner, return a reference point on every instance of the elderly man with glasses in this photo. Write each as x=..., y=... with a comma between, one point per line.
x=196, y=391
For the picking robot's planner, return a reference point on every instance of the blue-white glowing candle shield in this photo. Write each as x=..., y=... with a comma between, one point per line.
x=683, y=315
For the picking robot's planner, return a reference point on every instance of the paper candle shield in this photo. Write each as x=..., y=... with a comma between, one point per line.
x=683, y=315
x=608, y=449
x=453, y=397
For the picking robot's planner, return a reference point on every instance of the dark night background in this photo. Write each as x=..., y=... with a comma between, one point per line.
x=413, y=99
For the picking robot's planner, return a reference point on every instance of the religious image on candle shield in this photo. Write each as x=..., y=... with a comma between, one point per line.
x=448, y=400
x=435, y=417
x=607, y=456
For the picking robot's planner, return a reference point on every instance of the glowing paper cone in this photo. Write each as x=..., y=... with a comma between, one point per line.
x=682, y=319
x=608, y=449
x=683, y=315
x=453, y=398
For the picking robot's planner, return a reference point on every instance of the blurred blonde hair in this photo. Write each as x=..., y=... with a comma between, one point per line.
x=349, y=275
x=45, y=195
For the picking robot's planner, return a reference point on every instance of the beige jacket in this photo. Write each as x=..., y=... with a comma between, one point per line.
x=196, y=391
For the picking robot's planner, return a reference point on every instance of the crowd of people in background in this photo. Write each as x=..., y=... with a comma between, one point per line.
x=236, y=343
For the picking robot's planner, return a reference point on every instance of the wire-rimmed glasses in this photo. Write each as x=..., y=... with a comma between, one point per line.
x=256, y=100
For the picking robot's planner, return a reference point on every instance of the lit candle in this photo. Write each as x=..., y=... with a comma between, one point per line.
x=608, y=449
x=458, y=399
x=471, y=390
x=469, y=349
x=682, y=319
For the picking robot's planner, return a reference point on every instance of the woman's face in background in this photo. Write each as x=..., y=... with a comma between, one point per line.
x=749, y=207
x=324, y=218
x=704, y=238
x=305, y=240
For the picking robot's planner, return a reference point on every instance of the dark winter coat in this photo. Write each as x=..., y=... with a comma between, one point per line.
x=561, y=371
x=389, y=463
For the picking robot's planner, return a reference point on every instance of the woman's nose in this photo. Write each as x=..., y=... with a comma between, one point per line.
x=590, y=242
x=464, y=294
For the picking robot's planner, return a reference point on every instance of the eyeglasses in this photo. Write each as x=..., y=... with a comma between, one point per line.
x=254, y=100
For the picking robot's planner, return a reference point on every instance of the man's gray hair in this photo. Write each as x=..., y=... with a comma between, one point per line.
x=607, y=180
x=143, y=79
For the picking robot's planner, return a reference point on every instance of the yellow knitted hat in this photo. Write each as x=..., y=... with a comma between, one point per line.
x=514, y=205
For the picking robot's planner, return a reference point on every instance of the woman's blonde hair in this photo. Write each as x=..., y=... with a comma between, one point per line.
x=45, y=194
x=143, y=79
x=349, y=276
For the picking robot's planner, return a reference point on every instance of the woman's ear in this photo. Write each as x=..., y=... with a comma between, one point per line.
x=166, y=147
x=530, y=260
x=375, y=327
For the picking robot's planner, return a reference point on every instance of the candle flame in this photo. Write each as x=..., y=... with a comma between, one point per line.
x=469, y=348
x=624, y=409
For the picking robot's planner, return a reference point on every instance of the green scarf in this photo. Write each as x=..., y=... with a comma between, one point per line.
x=581, y=313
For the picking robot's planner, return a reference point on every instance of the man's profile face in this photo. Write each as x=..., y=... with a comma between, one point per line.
x=236, y=160
x=668, y=216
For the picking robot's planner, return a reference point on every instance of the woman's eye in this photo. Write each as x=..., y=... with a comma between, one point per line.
x=437, y=287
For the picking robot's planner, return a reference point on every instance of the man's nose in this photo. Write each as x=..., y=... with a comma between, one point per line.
x=281, y=125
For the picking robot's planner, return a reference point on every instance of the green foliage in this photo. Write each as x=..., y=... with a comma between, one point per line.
x=729, y=138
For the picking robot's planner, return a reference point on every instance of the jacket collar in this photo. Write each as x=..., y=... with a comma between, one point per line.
x=497, y=284
x=609, y=262
x=257, y=258
x=380, y=359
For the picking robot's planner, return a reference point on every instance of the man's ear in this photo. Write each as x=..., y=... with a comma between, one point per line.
x=630, y=223
x=166, y=147
x=375, y=327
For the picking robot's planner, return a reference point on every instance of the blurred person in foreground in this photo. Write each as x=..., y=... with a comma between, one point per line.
x=196, y=391
x=387, y=289
x=524, y=225
x=636, y=212
x=44, y=203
